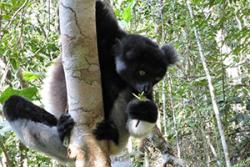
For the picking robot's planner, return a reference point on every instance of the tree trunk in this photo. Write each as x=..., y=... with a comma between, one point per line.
x=82, y=72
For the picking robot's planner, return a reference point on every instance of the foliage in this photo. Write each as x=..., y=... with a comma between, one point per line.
x=29, y=42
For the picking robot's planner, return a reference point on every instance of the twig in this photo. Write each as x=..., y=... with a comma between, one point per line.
x=164, y=147
x=15, y=14
x=5, y=152
x=211, y=90
x=5, y=75
x=13, y=17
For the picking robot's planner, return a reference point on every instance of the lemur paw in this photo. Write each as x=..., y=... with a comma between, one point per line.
x=65, y=125
x=142, y=110
x=106, y=130
x=142, y=116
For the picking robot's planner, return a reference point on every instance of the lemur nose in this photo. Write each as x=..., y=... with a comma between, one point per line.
x=146, y=89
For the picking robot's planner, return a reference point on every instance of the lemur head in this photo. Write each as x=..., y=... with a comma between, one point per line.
x=141, y=62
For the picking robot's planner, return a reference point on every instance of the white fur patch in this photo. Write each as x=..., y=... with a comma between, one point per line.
x=119, y=118
x=120, y=65
x=139, y=129
x=40, y=137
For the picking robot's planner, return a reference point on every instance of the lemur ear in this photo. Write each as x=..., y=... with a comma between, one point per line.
x=170, y=55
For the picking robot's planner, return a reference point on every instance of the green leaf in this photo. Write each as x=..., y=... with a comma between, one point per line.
x=6, y=17
x=140, y=96
x=29, y=93
x=30, y=76
x=127, y=14
x=196, y=1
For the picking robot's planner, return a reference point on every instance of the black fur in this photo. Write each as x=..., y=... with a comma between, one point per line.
x=107, y=33
x=122, y=56
x=107, y=130
x=65, y=125
x=17, y=107
x=137, y=52
x=142, y=110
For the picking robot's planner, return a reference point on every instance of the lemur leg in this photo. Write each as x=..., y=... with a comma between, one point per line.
x=114, y=129
x=142, y=116
x=37, y=128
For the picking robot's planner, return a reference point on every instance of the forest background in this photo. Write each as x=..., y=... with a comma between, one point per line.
x=213, y=32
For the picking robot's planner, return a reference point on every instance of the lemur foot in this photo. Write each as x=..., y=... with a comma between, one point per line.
x=64, y=126
x=142, y=110
x=106, y=130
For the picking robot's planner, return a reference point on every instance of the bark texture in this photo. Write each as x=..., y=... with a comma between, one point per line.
x=80, y=61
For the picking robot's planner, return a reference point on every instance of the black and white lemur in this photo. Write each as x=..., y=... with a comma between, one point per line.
x=130, y=64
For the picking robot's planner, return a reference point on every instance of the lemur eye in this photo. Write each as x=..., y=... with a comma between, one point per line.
x=141, y=73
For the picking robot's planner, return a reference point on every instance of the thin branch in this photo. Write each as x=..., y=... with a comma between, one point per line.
x=5, y=73
x=5, y=152
x=14, y=15
x=213, y=150
x=174, y=118
x=211, y=89
x=158, y=141
x=165, y=116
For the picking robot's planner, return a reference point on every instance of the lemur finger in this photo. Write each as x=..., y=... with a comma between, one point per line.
x=65, y=125
x=106, y=130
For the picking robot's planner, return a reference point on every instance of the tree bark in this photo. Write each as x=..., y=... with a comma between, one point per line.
x=82, y=72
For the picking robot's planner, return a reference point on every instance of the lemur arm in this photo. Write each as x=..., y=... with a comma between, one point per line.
x=35, y=127
x=142, y=116
x=106, y=23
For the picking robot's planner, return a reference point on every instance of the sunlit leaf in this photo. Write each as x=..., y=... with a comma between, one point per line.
x=30, y=76
x=29, y=93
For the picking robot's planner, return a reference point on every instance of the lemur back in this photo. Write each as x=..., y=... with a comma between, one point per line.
x=54, y=94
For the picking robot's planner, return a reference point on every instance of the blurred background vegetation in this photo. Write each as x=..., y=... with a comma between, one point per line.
x=29, y=41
